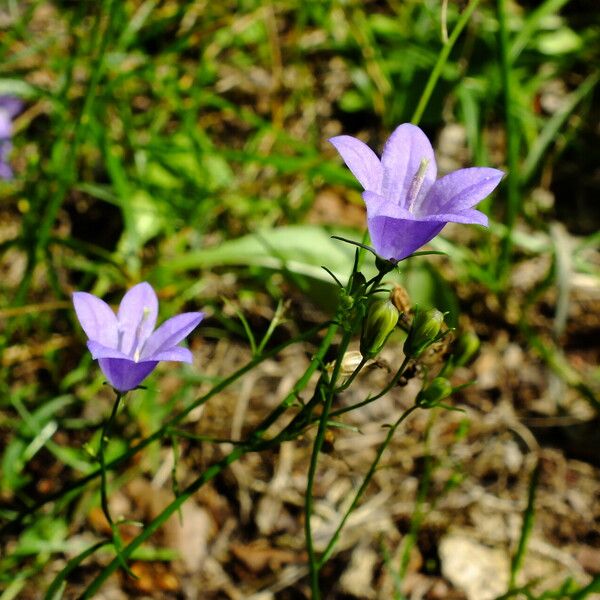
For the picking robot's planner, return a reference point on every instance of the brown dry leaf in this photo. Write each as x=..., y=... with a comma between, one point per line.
x=152, y=577
x=258, y=556
x=188, y=535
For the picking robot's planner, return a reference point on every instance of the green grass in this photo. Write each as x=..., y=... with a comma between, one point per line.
x=160, y=137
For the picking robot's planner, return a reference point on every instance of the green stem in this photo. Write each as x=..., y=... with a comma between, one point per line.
x=335, y=537
x=528, y=518
x=116, y=536
x=175, y=420
x=327, y=399
x=352, y=377
x=171, y=509
x=393, y=381
x=255, y=443
x=101, y=458
x=441, y=61
x=309, y=503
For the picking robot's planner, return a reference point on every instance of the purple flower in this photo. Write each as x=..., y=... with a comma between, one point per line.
x=9, y=108
x=126, y=345
x=406, y=206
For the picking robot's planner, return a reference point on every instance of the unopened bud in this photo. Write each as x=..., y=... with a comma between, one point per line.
x=358, y=280
x=437, y=390
x=467, y=346
x=377, y=327
x=424, y=331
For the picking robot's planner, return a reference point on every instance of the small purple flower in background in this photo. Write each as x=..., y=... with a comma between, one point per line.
x=126, y=345
x=9, y=108
x=406, y=206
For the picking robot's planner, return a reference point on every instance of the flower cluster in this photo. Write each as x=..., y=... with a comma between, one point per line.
x=406, y=206
x=126, y=345
x=9, y=108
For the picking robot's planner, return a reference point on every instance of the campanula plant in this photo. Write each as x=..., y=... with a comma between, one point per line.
x=128, y=348
x=406, y=205
x=126, y=345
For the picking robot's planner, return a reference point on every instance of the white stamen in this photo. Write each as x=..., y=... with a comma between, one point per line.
x=416, y=184
x=137, y=347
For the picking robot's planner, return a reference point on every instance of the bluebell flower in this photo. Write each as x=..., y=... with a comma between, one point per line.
x=126, y=345
x=9, y=108
x=406, y=205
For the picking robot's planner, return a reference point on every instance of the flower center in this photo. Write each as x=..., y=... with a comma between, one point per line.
x=415, y=187
x=138, y=343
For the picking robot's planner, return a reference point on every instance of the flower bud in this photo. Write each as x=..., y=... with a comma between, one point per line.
x=377, y=327
x=424, y=331
x=437, y=390
x=467, y=346
x=358, y=280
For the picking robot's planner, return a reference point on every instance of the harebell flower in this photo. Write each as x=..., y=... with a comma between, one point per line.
x=126, y=345
x=406, y=206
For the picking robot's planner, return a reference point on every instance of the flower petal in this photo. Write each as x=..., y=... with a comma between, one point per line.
x=5, y=126
x=125, y=374
x=378, y=206
x=401, y=160
x=176, y=354
x=98, y=350
x=395, y=239
x=470, y=215
x=361, y=160
x=461, y=189
x=5, y=171
x=96, y=318
x=11, y=105
x=137, y=317
x=170, y=333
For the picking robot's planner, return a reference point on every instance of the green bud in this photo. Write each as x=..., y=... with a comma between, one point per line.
x=346, y=300
x=467, y=346
x=425, y=328
x=358, y=280
x=377, y=327
x=437, y=390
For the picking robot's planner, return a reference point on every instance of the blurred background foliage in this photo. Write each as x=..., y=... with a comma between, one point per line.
x=185, y=142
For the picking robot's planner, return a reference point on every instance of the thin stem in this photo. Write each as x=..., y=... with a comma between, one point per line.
x=171, y=509
x=255, y=442
x=101, y=458
x=367, y=479
x=175, y=420
x=393, y=381
x=314, y=459
x=352, y=377
x=116, y=537
x=309, y=502
x=527, y=527
x=441, y=61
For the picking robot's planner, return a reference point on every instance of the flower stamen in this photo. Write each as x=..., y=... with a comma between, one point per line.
x=137, y=346
x=415, y=186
